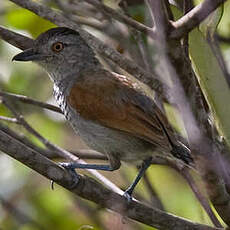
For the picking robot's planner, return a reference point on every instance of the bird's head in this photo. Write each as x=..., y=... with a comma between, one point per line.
x=60, y=51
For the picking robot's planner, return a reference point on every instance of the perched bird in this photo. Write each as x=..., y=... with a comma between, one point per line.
x=110, y=112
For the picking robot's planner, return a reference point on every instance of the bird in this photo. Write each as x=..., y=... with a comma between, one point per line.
x=111, y=112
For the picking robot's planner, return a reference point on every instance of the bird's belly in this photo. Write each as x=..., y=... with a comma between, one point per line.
x=106, y=140
x=102, y=139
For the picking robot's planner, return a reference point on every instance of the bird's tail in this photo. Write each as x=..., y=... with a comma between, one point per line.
x=181, y=152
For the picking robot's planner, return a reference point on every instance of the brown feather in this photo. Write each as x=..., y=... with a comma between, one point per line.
x=109, y=99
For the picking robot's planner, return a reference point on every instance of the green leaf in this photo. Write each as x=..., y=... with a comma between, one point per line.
x=224, y=25
x=26, y=20
x=209, y=25
x=212, y=80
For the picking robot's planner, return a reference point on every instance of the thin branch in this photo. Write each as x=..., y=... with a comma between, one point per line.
x=9, y=119
x=193, y=18
x=187, y=6
x=30, y=129
x=81, y=153
x=125, y=63
x=168, y=9
x=15, y=39
x=122, y=18
x=30, y=101
x=160, y=18
x=140, y=42
x=200, y=196
x=90, y=189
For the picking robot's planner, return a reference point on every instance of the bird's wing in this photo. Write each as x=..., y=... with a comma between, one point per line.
x=114, y=101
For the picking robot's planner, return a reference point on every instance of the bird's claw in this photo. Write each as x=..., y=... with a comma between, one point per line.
x=70, y=168
x=128, y=196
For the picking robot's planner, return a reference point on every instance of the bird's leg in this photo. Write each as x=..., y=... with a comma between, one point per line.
x=71, y=166
x=145, y=165
x=114, y=165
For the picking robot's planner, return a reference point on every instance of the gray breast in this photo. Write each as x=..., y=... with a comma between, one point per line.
x=101, y=138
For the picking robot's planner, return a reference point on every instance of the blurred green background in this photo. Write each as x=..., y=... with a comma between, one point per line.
x=26, y=199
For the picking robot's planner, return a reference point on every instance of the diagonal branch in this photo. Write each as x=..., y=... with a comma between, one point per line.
x=15, y=39
x=122, y=18
x=90, y=189
x=30, y=101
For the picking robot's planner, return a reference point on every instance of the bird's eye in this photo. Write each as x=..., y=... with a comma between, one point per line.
x=57, y=47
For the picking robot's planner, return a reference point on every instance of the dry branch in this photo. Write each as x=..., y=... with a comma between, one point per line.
x=194, y=17
x=90, y=189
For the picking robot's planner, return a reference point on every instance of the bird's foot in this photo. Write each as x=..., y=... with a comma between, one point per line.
x=128, y=194
x=70, y=167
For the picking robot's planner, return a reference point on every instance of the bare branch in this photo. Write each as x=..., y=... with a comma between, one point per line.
x=15, y=39
x=122, y=18
x=9, y=119
x=30, y=101
x=140, y=43
x=193, y=18
x=90, y=189
x=159, y=14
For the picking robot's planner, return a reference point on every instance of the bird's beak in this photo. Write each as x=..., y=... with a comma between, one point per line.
x=28, y=55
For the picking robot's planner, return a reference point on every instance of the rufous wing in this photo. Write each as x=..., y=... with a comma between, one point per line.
x=114, y=101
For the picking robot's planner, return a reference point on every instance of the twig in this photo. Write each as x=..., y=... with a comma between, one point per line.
x=187, y=6
x=30, y=101
x=15, y=39
x=81, y=153
x=9, y=119
x=90, y=189
x=193, y=18
x=122, y=18
x=140, y=43
x=169, y=11
x=200, y=196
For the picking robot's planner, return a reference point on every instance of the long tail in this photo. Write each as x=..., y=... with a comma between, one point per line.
x=180, y=151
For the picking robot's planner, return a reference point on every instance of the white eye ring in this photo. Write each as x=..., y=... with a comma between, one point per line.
x=57, y=47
